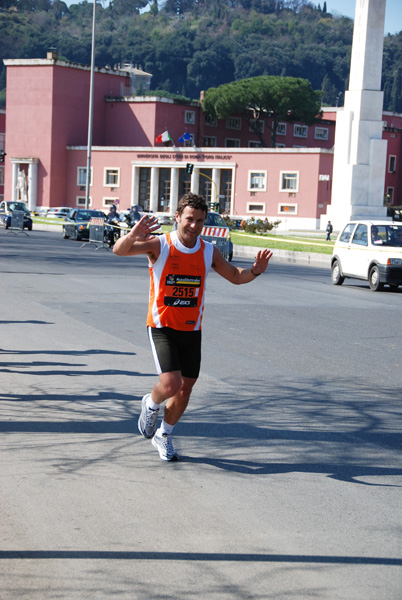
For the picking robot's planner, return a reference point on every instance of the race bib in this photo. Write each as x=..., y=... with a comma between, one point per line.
x=182, y=290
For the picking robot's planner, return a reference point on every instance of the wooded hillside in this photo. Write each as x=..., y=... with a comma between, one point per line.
x=193, y=45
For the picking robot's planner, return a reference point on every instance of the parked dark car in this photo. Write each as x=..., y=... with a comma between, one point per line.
x=76, y=224
x=6, y=210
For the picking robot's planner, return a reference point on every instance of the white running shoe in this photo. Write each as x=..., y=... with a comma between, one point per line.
x=163, y=444
x=147, y=419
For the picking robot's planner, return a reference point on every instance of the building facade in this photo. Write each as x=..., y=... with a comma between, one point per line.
x=47, y=126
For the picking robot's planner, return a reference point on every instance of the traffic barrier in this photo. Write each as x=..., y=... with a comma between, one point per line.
x=17, y=223
x=96, y=234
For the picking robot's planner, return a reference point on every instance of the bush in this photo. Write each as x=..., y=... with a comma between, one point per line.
x=259, y=226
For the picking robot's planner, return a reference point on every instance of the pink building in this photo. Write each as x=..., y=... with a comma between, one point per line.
x=2, y=149
x=47, y=125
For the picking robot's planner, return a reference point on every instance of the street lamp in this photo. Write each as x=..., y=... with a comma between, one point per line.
x=91, y=108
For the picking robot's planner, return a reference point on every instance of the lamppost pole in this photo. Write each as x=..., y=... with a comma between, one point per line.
x=91, y=109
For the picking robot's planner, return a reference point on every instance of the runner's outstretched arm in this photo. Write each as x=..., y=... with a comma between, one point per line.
x=140, y=240
x=237, y=275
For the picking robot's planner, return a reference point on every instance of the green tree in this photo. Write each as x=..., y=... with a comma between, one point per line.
x=265, y=99
x=396, y=92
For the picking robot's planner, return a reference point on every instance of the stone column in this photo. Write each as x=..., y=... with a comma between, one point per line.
x=174, y=189
x=135, y=186
x=195, y=182
x=360, y=151
x=216, y=178
x=154, y=189
x=32, y=185
x=14, y=191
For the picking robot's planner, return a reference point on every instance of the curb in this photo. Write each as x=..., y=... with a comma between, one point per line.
x=306, y=258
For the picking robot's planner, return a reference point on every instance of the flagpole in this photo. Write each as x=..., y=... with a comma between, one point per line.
x=91, y=108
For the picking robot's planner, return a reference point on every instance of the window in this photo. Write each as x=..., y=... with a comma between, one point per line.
x=300, y=130
x=360, y=236
x=389, y=197
x=233, y=123
x=189, y=143
x=82, y=176
x=287, y=209
x=1, y=175
x=80, y=201
x=252, y=144
x=145, y=187
x=164, y=190
x=108, y=202
x=232, y=143
x=256, y=125
x=256, y=208
x=391, y=164
x=112, y=177
x=225, y=190
x=189, y=117
x=210, y=141
x=184, y=182
x=321, y=133
x=289, y=181
x=257, y=180
x=280, y=146
x=281, y=129
x=211, y=121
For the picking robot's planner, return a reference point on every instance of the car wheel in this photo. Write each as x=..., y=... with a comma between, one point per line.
x=336, y=273
x=374, y=279
x=76, y=234
x=65, y=236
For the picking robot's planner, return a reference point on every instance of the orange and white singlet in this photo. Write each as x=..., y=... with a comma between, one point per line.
x=177, y=290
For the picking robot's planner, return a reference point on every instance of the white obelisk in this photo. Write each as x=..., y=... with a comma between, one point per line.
x=360, y=152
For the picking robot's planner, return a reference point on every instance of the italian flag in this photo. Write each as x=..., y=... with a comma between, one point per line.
x=163, y=137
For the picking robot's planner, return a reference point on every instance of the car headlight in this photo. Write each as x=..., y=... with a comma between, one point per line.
x=394, y=261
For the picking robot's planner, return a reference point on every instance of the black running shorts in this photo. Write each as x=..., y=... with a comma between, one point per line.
x=176, y=351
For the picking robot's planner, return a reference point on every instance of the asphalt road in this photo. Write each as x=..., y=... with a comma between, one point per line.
x=289, y=482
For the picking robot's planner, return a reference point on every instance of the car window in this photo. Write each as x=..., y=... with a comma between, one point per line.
x=395, y=235
x=214, y=220
x=360, y=235
x=17, y=206
x=379, y=235
x=347, y=232
x=83, y=215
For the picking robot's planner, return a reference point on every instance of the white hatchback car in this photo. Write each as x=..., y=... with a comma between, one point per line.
x=369, y=250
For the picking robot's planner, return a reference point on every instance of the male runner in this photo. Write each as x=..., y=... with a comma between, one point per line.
x=178, y=263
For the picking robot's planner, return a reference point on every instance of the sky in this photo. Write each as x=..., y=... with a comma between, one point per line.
x=393, y=11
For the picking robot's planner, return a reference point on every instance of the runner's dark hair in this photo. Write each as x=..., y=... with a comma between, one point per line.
x=194, y=201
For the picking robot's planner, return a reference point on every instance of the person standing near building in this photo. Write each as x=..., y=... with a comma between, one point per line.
x=178, y=263
x=329, y=231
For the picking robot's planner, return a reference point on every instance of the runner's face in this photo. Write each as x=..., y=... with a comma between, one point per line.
x=189, y=225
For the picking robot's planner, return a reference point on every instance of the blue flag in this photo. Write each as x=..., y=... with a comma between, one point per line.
x=186, y=137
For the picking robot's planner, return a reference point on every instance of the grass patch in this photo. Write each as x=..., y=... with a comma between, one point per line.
x=45, y=221
x=306, y=244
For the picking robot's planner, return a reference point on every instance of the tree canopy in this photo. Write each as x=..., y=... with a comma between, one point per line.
x=268, y=99
x=193, y=45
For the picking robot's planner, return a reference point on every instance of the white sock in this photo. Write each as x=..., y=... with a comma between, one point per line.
x=165, y=428
x=151, y=404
